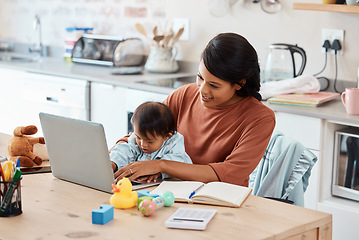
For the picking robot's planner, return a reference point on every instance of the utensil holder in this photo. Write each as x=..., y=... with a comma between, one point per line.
x=10, y=198
x=162, y=60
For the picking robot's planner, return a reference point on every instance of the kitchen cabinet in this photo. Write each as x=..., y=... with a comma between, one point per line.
x=327, y=7
x=24, y=95
x=307, y=130
x=345, y=212
x=315, y=128
x=112, y=106
x=108, y=107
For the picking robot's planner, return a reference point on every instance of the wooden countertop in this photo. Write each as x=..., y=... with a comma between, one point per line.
x=55, y=209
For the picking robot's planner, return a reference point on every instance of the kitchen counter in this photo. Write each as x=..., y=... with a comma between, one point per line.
x=332, y=111
x=96, y=73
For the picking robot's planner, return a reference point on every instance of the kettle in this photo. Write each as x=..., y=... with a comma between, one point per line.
x=281, y=62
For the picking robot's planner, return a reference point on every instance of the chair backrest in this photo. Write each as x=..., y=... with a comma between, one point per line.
x=284, y=170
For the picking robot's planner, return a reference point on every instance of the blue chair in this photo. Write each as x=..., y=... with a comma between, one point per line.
x=284, y=171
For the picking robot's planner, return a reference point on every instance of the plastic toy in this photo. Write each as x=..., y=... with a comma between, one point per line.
x=140, y=199
x=123, y=196
x=102, y=215
x=147, y=207
x=146, y=193
x=22, y=146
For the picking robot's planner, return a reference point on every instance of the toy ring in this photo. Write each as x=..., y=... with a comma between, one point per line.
x=131, y=171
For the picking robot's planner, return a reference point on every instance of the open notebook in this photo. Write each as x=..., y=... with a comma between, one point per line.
x=213, y=193
x=78, y=152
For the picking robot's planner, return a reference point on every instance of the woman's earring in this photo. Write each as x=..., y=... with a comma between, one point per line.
x=242, y=83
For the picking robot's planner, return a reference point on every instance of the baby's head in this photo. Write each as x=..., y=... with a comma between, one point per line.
x=153, y=123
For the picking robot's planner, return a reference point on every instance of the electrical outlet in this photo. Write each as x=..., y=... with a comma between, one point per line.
x=181, y=22
x=331, y=35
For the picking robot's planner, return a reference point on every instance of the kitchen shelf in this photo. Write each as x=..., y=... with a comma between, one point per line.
x=327, y=7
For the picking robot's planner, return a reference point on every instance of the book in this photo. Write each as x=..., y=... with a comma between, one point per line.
x=190, y=218
x=303, y=99
x=213, y=193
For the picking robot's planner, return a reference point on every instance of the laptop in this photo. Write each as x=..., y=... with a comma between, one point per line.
x=78, y=152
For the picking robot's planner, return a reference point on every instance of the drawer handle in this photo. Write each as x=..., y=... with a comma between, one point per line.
x=51, y=99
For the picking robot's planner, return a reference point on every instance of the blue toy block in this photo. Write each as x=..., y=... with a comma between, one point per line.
x=102, y=215
x=146, y=193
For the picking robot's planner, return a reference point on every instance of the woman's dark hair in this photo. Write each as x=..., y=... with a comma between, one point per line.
x=231, y=57
x=154, y=118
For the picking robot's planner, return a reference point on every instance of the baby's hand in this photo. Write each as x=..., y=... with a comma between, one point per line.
x=149, y=178
x=114, y=166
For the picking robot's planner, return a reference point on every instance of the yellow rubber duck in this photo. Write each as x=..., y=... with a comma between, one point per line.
x=123, y=196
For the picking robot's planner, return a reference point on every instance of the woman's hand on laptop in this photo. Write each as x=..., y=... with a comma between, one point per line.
x=136, y=170
x=150, y=178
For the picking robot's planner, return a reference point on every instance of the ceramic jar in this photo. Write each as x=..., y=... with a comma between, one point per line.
x=162, y=60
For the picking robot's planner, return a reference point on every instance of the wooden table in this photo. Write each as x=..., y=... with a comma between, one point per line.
x=55, y=209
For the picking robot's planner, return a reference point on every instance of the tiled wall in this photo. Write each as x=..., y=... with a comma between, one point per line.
x=118, y=17
x=112, y=17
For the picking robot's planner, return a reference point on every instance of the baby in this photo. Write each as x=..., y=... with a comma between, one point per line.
x=155, y=137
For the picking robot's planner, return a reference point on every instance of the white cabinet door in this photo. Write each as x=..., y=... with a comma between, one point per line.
x=136, y=97
x=54, y=95
x=24, y=95
x=11, y=105
x=112, y=106
x=108, y=107
x=307, y=130
x=311, y=195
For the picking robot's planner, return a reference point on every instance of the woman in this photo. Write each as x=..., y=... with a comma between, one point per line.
x=225, y=126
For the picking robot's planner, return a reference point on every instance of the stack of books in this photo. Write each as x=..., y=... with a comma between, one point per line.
x=303, y=99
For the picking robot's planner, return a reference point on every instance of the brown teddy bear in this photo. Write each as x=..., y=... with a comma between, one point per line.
x=21, y=146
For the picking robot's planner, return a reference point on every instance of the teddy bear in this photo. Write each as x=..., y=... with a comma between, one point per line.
x=22, y=146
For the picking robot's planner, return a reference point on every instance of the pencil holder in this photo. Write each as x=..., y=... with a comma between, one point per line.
x=10, y=198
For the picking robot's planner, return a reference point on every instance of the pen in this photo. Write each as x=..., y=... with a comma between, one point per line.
x=18, y=163
x=8, y=170
x=8, y=194
x=194, y=191
x=2, y=176
x=2, y=173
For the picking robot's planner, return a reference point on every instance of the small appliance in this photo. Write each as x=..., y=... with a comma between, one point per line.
x=281, y=62
x=345, y=178
x=108, y=51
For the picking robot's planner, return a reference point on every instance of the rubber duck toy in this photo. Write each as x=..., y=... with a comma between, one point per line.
x=123, y=196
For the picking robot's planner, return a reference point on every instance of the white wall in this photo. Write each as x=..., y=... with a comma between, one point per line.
x=118, y=17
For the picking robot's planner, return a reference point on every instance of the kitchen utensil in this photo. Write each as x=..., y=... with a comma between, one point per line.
x=281, y=62
x=155, y=31
x=158, y=39
x=141, y=29
x=177, y=36
x=271, y=6
x=166, y=40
